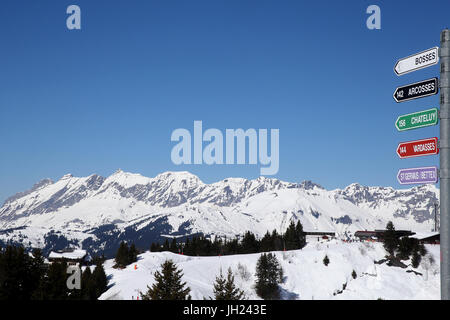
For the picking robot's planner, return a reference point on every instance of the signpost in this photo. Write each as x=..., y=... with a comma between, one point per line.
x=418, y=175
x=418, y=148
x=416, y=90
x=417, y=120
x=417, y=61
x=444, y=114
x=429, y=146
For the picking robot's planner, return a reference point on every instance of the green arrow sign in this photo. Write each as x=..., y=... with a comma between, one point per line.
x=417, y=120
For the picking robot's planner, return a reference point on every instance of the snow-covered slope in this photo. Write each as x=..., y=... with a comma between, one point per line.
x=126, y=206
x=306, y=277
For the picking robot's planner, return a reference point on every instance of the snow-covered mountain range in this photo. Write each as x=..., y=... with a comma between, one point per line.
x=97, y=212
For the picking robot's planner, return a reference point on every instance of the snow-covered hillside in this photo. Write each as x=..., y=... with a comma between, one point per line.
x=126, y=206
x=306, y=277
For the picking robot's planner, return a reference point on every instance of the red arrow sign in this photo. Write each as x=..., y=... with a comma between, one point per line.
x=418, y=148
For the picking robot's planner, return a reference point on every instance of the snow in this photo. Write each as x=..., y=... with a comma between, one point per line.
x=126, y=179
x=306, y=277
x=35, y=236
x=423, y=235
x=226, y=208
x=72, y=255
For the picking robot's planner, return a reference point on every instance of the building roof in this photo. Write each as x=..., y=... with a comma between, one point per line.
x=365, y=233
x=381, y=232
x=314, y=233
x=424, y=235
x=69, y=255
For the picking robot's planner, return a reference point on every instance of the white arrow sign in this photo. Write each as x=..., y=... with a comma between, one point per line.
x=417, y=61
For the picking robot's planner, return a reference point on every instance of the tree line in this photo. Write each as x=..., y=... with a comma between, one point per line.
x=294, y=238
x=25, y=276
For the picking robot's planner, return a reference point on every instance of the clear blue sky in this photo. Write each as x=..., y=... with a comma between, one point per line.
x=109, y=96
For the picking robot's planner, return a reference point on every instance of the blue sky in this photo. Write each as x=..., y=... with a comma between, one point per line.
x=109, y=96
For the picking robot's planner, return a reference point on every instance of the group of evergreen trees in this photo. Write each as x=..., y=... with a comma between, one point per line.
x=169, y=285
x=93, y=284
x=21, y=275
x=403, y=248
x=27, y=277
x=294, y=238
x=126, y=255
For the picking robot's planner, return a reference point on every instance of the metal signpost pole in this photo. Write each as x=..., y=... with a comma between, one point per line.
x=424, y=147
x=444, y=53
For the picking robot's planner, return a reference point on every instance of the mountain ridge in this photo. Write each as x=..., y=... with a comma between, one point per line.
x=130, y=206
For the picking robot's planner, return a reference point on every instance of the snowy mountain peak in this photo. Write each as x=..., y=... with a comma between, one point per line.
x=66, y=177
x=309, y=185
x=180, y=203
x=126, y=179
x=40, y=185
x=179, y=176
x=426, y=188
x=354, y=187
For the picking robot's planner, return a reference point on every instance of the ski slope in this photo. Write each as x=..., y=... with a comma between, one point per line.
x=306, y=277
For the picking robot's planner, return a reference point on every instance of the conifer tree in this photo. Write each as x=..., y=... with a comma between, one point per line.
x=99, y=280
x=187, y=247
x=300, y=235
x=249, y=243
x=122, y=255
x=422, y=249
x=326, y=260
x=291, y=240
x=225, y=289
x=173, y=246
x=269, y=274
x=219, y=287
x=166, y=246
x=17, y=280
x=416, y=259
x=216, y=247
x=55, y=283
x=231, y=291
x=407, y=246
x=87, y=285
x=390, y=239
x=37, y=271
x=168, y=285
x=266, y=243
x=132, y=254
x=277, y=241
